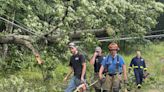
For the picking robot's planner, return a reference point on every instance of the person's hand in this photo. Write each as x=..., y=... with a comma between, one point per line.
x=100, y=77
x=102, y=80
x=145, y=71
x=145, y=74
x=38, y=58
x=82, y=79
x=126, y=82
x=95, y=54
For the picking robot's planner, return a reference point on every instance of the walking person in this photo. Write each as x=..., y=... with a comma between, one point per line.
x=96, y=61
x=78, y=66
x=139, y=67
x=116, y=66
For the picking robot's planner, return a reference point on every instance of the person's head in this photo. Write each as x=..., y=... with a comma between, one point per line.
x=73, y=48
x=98, y=50
x=113, y=48
x=138, y=53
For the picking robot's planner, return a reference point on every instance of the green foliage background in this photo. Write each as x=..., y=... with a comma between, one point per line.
x=121, y=18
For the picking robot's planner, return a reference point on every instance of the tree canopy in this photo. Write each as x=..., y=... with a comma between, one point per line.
x=57, y=21
x=43, y=28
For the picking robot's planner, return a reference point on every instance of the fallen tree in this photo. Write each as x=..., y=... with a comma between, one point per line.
x=22, y=40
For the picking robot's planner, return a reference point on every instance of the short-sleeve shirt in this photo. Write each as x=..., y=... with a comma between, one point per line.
x=76, y=62
x=97, y=63
x=111, y=63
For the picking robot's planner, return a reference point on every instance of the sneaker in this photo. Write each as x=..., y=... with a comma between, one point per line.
x=139, y=86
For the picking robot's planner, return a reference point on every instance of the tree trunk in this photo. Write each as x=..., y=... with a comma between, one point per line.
x=16, y=39
x=5, y=50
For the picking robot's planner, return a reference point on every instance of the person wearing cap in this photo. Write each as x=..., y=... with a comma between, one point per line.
x=78, y=66
x=116, y=66
x=139, y=67
x=96, y=62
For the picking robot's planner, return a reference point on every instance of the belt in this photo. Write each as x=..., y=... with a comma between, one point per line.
x=114, y=74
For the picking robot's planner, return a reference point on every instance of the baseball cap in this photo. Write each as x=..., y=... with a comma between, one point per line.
x=72, y=45
x=98, y=49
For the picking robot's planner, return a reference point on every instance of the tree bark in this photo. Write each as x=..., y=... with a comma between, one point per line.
x=5, y=50
x=18, y=39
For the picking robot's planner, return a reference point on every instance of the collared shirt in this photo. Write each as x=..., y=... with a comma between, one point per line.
x=112, y=63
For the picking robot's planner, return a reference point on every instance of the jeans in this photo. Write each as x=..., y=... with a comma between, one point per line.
x=73, y=84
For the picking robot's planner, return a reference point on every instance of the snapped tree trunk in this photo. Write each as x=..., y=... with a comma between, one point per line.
x=18, y=39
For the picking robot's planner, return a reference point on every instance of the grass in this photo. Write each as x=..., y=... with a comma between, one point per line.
x=153, y=55
x=154, y=58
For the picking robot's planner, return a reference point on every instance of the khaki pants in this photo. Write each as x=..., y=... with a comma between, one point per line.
x=112, y=83
x=100, y=85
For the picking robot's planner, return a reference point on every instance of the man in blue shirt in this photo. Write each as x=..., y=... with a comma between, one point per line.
x=115, y=66
x=138, y=65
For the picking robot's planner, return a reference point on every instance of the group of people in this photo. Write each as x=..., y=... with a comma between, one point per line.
x=108, y=70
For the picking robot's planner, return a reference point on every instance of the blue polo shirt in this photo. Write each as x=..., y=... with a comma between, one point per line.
x=111, y=63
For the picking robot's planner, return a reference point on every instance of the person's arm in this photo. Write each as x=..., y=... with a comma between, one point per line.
x=101, y=71
x=92, y=61
x=124, y=71
x=131, y=63
x=102, y=68
x=83, y=67
x=83, y=71
x=130, y=66
x=122, y=62
x=144, y=65
x=69, y=73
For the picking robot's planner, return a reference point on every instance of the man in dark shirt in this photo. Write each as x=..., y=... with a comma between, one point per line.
x=138, y=64
x=96, y=60
x=78, y=66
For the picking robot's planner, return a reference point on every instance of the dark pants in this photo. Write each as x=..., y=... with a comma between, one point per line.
x=138, y=75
